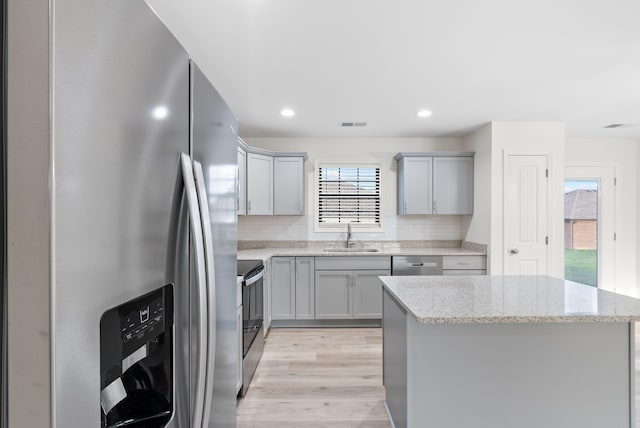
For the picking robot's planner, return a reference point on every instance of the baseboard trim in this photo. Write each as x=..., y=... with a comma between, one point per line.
x=325, y=323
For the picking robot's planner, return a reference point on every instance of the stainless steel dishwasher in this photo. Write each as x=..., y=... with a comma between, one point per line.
x=416, y=265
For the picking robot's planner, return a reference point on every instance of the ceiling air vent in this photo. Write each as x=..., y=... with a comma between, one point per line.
x=352, y=124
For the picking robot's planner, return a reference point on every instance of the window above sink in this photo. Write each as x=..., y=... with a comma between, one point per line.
x=348, y=193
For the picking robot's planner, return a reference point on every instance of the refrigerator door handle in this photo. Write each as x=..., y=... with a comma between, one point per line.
x=210, y=288
x=201, y=276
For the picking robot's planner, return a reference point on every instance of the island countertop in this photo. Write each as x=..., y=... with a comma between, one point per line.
x=507, y=299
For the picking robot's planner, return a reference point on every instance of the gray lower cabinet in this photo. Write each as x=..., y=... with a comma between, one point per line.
x=283, y=288
x=305, y=288
x=292, y=288
x=367, y=294
x=349, y=288
x=464, y=265
x=333, y=294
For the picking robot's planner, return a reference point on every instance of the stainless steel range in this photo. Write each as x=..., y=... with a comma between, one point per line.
x=252, y=272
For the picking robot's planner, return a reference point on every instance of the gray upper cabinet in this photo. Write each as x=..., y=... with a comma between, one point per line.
x=269, y=182
x=288, y=185
x=414, y=185
x=453, y=185
x=242, y=181
x=435, y=183
x=259, y=184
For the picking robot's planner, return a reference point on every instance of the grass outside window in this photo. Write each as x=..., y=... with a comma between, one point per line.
x=581, y=266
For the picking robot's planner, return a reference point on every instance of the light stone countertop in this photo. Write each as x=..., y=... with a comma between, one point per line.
x=507, y=299
x=266, y=253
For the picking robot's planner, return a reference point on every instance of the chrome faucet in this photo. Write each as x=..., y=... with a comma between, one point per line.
x=348, y=235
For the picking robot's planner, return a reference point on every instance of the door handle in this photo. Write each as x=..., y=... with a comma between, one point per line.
x=209, y=289
x=201, y=276
x=514, y=251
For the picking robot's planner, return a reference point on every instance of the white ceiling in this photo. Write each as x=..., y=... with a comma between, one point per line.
x=380, y=61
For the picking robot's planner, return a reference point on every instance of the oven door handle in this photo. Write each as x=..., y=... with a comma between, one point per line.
x=257, y=277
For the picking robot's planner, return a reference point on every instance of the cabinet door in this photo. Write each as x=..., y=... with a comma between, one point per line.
x=288, y=185
x=367, y=294
x=283, y=291
x=305, y=289
x=242, y=182
x=414, y=185
x=259, y=184
x=452, y=185
x=333, y=294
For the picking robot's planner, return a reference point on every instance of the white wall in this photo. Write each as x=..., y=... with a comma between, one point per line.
x=477, y=228
x=529, y=138
x=358, y=150
x=624, y=155
x=491, y=143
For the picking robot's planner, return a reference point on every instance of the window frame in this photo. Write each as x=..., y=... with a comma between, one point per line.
x=341, y=227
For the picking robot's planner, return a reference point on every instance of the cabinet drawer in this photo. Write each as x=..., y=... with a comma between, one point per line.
x=464, y=262
x=464, y=272
x=353, y=263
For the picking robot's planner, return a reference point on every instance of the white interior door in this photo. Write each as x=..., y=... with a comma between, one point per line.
x=604, y=176
x=526, y=215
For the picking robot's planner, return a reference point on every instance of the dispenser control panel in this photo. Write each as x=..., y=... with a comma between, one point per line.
x=142, y=322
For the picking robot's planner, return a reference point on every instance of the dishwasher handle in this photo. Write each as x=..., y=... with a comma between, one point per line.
x=416, y=265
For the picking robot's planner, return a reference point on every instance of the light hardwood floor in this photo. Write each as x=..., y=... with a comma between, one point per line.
x=316, y=378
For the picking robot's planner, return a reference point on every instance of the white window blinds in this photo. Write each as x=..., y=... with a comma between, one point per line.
x=349, y=195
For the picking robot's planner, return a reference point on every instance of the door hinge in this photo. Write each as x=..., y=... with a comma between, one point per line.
x=615, y=181
x=546, y=173
x=546, y=240
x=615, y=236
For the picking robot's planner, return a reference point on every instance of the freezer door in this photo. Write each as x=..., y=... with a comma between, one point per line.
x=214, y=139
x=120, y=118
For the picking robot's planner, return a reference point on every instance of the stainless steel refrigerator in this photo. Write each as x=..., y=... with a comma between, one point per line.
x=117, y=151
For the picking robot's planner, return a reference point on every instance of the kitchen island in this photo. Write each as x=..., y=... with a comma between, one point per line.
x=500, y=351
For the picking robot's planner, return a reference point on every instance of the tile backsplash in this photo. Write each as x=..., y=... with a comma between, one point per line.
x=396, y=228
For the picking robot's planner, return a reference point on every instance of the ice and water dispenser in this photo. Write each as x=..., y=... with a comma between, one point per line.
x=136, y=362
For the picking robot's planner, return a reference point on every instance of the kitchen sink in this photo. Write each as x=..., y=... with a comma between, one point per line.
x=351, y=250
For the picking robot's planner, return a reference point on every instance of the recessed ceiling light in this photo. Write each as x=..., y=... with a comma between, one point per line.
x=423, y=113
x=287, y=112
